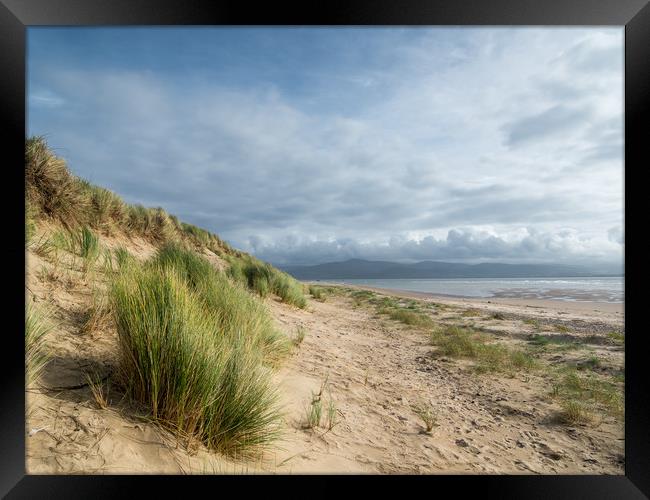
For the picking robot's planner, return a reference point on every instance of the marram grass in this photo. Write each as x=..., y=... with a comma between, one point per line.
x=196, y=345
x=53, y=192
x=240, y=313
x=193, y=347
x=262, y=278
x=37, y=326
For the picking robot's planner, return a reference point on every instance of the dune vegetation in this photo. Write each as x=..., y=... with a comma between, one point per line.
x=37, y=325
x=196, y=343
x=262, y=278
x=54, y=193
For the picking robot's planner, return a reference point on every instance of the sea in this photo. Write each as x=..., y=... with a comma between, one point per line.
x=593, y=289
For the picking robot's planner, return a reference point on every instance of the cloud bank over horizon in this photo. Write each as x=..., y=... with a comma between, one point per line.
x=310, y=145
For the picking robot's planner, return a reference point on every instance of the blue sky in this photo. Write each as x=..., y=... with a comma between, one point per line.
x=305, y=145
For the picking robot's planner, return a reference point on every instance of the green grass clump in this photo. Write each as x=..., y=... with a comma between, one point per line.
x=50, y=187
x=332, y=414
x=263, y=278
x=592, y=362
x=199, y=236
x=236, y=270
x=427, y=414
x=87, y=244
x=363, y=294
x=314, y=410
x=30, y=223
x=559, y=343
x=532, y=322
x=314, y=414
x=82, y=242
x=459, y=342
x=288, y=289
x=382, y=302
x=540, y=340
x=178, y=359
x=239, y=312
x=456, y=341
x=616, y=338
x=408, y=317
x=591, y=391
x=261, y=286
x=317, y=292
x=301, y=332
x=123, y=257
x=107, y=209
x=37, y=326
x=152, y=223
x=521, y=360
x=575, y=412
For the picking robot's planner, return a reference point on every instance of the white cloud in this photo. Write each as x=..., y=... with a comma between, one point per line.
x=517, y=131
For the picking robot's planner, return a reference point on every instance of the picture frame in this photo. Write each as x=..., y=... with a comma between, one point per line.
x=17, y=15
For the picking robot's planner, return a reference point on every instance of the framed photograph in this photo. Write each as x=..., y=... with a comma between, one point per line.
x=370, y=242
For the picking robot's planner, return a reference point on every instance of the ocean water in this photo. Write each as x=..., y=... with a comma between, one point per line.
x=605, y=289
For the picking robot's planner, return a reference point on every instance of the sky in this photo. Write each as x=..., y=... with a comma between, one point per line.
x=310, y=145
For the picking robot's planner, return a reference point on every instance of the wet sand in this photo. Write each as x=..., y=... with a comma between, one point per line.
x=566, y=306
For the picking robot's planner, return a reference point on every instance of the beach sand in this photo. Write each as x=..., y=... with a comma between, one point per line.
x=376, y=371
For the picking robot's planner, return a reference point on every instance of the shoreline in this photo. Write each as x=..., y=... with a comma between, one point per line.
x=615, y=310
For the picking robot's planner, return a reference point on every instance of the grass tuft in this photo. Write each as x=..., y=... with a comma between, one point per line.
x=301, y=331
x=591, y=391
x=407, y=316
x=314, y=414
x=87, y=244
x=262, y=278
x=317, y=292
x=332, y=414
x=37, y=326
x=575, y=412
x=617, y=338
x=238, y=312
x=96, y=386
x=459, y=342
x=50, y=187
x=428, y=416
x=533, y=322
x=178, y=359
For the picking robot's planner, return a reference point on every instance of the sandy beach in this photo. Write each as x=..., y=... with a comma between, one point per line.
x=557, y=306
x=372, y=370
x=489, y=424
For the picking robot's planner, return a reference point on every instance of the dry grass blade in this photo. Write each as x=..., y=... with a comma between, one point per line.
x=95, y=383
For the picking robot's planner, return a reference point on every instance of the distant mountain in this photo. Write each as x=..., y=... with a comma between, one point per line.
x=367, y=269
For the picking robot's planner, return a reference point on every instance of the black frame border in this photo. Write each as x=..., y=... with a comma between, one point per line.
x=16, y=15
